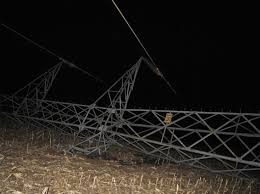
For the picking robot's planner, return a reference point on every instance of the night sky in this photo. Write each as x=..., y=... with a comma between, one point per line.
x=205, y=51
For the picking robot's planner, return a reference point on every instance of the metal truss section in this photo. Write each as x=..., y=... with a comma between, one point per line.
x=118, y=94
x=215, y=141
x=116, y=98
x=85, y=124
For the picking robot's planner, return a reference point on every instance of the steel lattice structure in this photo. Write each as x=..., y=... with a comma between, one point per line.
x=216, y=141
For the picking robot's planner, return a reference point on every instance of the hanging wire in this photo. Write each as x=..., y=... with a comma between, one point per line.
x=70, y=64
x=153, y=67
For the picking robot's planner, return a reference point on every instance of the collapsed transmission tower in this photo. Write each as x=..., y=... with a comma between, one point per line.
x=216, y=141
x=222, y=142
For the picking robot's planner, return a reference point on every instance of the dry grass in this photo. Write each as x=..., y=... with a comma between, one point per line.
x=30, y=165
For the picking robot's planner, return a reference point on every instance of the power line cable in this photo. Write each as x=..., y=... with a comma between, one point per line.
x=53, y=54
x=153, y=67
x=31, y=41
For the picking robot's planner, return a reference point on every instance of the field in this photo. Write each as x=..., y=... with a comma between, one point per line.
x=32, y=162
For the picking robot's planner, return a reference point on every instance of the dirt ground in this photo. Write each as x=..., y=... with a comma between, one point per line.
x=29, y=165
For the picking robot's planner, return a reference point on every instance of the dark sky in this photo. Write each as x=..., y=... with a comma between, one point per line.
x=205, y=51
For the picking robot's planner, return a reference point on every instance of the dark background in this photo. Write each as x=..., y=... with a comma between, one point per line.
x=207, y=51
